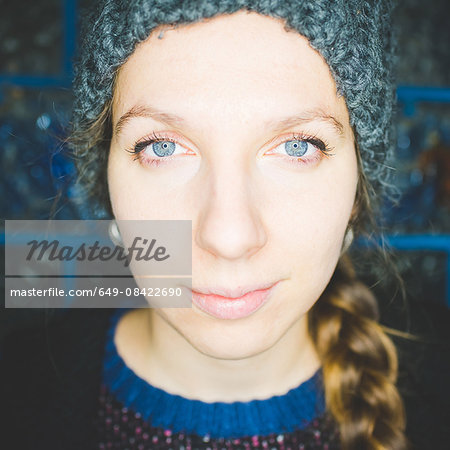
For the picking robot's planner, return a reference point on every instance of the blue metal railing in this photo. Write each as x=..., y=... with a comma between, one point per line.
x=64, y=78
x=423, y=242
x=409, y=96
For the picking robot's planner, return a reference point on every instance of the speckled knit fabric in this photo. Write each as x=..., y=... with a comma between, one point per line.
x=354, y=36
x=136, y=415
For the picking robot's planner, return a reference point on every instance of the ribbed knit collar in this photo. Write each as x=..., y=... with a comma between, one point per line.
x=277, y=414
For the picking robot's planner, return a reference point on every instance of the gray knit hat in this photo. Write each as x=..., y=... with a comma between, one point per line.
x=354, y=37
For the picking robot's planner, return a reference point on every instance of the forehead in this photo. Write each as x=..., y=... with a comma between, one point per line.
x=243, y=65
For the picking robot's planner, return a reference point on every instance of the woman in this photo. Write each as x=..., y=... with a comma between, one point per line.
x=268, y=125
x=223, y=114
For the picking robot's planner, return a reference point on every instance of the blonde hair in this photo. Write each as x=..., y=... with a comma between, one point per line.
x=359, y=360
x=359, y=364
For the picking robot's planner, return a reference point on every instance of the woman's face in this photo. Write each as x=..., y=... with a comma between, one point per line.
x=255, y=147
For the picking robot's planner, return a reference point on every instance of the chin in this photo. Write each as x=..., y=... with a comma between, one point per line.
x=231, y=339
x=230, y=349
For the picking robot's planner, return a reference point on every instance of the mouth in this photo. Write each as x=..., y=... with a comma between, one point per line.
x=232, y=307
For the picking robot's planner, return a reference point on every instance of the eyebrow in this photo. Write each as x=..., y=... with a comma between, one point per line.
x=147, y=111
x=311, y=115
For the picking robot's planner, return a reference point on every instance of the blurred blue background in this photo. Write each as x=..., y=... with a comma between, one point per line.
x=37, y=45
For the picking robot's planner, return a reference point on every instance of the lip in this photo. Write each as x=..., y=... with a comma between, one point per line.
x=233, y=306
x=232, y=293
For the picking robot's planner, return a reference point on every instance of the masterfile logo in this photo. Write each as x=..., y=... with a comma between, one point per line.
x=98, y=263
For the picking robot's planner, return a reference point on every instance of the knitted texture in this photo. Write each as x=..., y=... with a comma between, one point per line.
x=282, y=413
x=124, y=428
x=137, y=415
x=353, y=36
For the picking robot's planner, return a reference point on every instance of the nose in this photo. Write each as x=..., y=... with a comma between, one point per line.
x=229, y=225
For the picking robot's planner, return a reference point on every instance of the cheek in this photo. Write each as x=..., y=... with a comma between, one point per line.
x=313, y=223
x=136, y=193
x=310, y=221
x=130, y=198
x=309, y=228
x=310, y=211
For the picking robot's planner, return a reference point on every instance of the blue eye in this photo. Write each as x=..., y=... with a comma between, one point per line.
x=157, y=150
x=302, y=150
x=163, y=148
x=296, y=147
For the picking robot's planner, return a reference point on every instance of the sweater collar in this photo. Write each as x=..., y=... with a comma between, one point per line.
x=281, y=413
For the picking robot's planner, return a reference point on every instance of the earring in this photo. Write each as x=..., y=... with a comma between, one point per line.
x=348, y=239
x=114, y=233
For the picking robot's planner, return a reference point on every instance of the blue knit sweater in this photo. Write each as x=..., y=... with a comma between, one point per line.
x=135, y=414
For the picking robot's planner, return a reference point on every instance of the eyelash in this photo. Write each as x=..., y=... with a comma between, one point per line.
x=139, y=146
x=324, y=149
